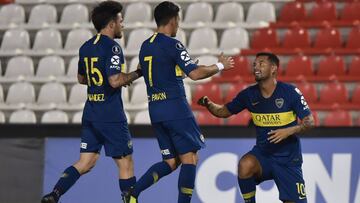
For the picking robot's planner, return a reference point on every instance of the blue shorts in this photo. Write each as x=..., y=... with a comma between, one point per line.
x=288, y=179
x=115, y=137
x=178, y=137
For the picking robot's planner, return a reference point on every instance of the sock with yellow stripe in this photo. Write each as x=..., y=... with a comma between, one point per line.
x=125, y=184
x=152, y=175
x=186, y=182
x=248, y=188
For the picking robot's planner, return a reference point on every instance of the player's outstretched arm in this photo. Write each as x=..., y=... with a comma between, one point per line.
x=215, y=109
x=202, y=71
x=124, y=79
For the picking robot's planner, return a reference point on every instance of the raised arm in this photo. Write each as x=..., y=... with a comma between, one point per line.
x=217, y=110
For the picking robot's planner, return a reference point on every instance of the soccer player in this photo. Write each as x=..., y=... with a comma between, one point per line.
x=104, y=122
x=275, y=107
x=163, y=60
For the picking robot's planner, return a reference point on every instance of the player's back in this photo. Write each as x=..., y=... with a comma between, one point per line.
x=164, y=77
x=99, y=58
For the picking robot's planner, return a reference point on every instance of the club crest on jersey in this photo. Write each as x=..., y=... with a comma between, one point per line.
x=279, y=102
x=116, y=49
x=185, y=56
x=179, y=46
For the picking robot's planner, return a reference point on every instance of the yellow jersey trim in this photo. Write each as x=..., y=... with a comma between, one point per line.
x=153, y=37
x=178, y=71
x=273, y=119
x=97, y=38
x=187, y=191
x=249, y=195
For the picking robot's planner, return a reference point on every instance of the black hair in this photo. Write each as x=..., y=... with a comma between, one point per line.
x=164, y=12
x=271, y=57
x=104, y=12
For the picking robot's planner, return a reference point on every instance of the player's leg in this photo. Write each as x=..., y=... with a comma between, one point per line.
x=126, y=172
x=290, y=182
x=187, y=176
x=90, y=146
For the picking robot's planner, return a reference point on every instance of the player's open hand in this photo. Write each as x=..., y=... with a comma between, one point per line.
x=203, y=101
x=278, y=135
x=227, y=61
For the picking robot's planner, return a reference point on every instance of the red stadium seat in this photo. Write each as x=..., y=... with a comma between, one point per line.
x=292, y=11
x=351, y=11
x=6, y=1
x=323, y=11
x=243, y=118
x=296, y=38
x=355, y=98
x=206, y=118
x=264, y=38
x=328, y=38
x=316, y=118
x=338, y=118
x=353, y=40
x=242, y=68
x=299, y=65
x=334, y=93
x=211, y=90
x=331, y=65
x=357, y=122
x=309, y=91
x=233, y=90
x=354, y=69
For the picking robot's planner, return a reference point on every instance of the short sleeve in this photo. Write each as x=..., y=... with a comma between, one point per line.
x=81, y=65
x=182, y=57
x=238, y=103
x=299, y=104
x=114, y=60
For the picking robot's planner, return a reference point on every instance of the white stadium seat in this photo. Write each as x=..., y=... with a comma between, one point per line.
x=23, y=116
x=12, y=14
x=48, y=40
x=53, y=117
x=74, y=14
x=261, y=12
x=42, y=14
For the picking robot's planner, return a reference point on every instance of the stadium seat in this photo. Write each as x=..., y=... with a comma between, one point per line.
x=292, y=11
x=261, y=12
x=264, y=38
x=125, y=96
x=139, y=12
x=207, y=60
x=234, y=90
x=12, y=14
x=296, y=38
x=139, y=98
x=15, y=39
x=142, y=118
x=42, y=14
x=55, y=116
x=355, y=98
x=76, y=38
x=350, y=11
x=205, y=118
x=211, y=90
x=50, y=66
x=323, y=11
x=1, y=94
x=234, y=39
x=135, y=39
x=338, y=118
x=241, y=119
x=331, y=65
x=299, y=65
x=328, y=38
x=199, y=12
x=353, y=40
x=77, y=98
x=20, y=94
x=74, y=14
x=229, y=12
x=309, y=91
x=242, y=69
x=134, y=62
x=50, y=96
x=72, y=71
x=2, y=117
x=23, y=116
x=19, y=66
x=333, y=92
x=47, y=40
x=316, y=118
x=203, y=41
x=77, y=117
x=354, y=68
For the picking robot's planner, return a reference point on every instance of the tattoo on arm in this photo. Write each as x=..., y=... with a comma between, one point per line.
x=306, y=123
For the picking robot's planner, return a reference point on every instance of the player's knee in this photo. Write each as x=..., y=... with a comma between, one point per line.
x=85, y=166
x=246, y=167
x=173, y=163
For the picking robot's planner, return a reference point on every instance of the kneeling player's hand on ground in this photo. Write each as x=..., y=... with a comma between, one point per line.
x=278, y=135
x=228, y=62
x=204, y=101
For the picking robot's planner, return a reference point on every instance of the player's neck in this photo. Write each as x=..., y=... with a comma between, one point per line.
x=107, y=33
x=166, y=30
x=267, y=87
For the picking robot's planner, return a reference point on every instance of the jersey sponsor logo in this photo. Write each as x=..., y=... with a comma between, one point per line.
x=179, y=46
x=115, y=67
x=189, y=62
x=279, y=102
x=185, y=56
x=116, y=49
x=96, y=97
x=304, y=103
x=115, y=60
x=165, y=152
x=273, y=119
x=83, y=145
x=298, y=91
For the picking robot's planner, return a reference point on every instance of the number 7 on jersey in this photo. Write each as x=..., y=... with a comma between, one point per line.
x=149, y=59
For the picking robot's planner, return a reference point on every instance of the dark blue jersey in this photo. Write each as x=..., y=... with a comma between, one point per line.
x=163, y=61
x=99, y=58
x=281, y=110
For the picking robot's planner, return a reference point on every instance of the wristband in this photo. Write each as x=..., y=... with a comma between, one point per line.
x=220, y=66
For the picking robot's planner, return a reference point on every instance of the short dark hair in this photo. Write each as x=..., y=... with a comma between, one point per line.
x=271, y=57
x=104, y=12
x=164, y=12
